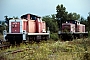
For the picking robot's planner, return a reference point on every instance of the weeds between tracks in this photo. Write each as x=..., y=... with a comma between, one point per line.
x=50, y=50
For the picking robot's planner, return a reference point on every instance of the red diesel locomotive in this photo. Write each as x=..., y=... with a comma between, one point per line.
x=72, y=29
x=29, y=27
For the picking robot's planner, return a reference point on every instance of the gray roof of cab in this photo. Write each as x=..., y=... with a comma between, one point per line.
x=32, y=15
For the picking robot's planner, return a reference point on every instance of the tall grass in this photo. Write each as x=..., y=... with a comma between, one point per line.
x=49, y=50
x=54, y=36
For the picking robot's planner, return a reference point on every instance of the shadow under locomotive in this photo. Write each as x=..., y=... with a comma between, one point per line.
x=71, y=36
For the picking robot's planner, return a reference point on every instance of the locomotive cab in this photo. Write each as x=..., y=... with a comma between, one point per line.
x=17, y=31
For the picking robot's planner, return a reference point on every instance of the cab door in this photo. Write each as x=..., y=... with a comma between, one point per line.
x=15, y=27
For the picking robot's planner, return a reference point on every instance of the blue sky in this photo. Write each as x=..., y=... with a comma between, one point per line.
x=42, y=7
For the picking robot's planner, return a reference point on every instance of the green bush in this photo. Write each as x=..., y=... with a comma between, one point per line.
x=89, y=34
x=1, y=29
x=54, y=36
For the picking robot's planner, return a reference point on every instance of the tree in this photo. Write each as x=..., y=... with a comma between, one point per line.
x=73, y=16
x=70, y=16
x=51, y=22
x=2, y=27
x=85, y=22
x=6, y=19
x=76, y=16
x=61, y=15
x=88, y=18
x=61, y=12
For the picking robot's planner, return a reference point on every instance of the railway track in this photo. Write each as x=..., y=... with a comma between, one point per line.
x=4, y=44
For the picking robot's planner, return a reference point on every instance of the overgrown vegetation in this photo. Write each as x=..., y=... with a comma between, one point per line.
x=49, y=50
x=54, y=36
x=2, y=27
